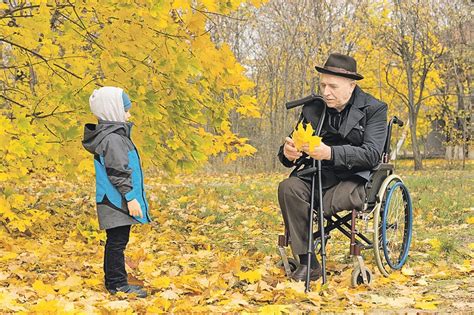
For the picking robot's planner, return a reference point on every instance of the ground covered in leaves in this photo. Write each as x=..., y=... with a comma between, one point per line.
x=212, y=248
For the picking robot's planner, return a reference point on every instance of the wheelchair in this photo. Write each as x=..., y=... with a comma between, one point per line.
x=387, y=204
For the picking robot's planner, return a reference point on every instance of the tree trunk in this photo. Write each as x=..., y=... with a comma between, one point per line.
x=414, y=142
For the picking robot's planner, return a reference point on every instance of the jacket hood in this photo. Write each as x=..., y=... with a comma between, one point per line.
x=107, y=103
x=95, y=133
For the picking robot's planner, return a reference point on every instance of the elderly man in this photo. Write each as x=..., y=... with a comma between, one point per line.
x=353, y=136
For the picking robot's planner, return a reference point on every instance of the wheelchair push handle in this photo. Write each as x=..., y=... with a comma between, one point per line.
x=303, y=101
x=397, y=121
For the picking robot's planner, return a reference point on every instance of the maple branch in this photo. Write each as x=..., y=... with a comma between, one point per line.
x=36, y=63
x=33, y=53
x=218, y=14
x=8, y=13
x=79, y=90
x=14, y=102
x=66, y=70
x=37, y=115
x=92, y=37
x=402, y=96
x=47, y=128
x=167, y=34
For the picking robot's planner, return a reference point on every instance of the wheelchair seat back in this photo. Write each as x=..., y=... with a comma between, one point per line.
x=377, y=176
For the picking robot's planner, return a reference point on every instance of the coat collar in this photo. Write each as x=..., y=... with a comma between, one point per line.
x=355, y=113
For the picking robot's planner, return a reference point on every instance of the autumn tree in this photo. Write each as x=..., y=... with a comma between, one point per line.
x=279, y=44
x=54, y=54
x=183, y=85
x=456, y=90
x=411, y=38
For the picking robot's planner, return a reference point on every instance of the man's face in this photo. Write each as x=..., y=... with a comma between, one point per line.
x=336, y=90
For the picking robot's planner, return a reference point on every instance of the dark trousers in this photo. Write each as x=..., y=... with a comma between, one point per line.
x=294, y=199
x=114, y=258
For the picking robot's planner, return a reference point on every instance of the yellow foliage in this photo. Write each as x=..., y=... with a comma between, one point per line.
x=159, y=52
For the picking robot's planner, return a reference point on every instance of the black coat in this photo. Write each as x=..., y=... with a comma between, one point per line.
x=358, y=144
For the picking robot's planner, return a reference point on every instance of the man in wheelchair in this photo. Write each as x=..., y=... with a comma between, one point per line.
x=353, y=135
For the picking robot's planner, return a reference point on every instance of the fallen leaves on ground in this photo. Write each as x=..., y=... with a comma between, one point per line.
x=211, y=248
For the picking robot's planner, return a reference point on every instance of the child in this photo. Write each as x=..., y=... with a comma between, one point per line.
x=120, y=194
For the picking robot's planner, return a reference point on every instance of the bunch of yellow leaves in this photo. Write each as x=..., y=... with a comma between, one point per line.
x=304, y=136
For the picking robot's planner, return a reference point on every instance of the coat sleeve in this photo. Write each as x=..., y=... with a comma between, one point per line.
x=367, y=156
x=115, y=153
x=283, y=158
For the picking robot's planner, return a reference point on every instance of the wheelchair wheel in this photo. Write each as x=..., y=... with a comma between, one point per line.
x=357, y=277
x=291, y=261
x=393, y=221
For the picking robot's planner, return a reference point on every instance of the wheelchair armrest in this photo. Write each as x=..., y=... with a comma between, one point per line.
x=307, y=171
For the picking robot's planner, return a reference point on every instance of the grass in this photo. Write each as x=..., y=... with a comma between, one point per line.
x=442, y=201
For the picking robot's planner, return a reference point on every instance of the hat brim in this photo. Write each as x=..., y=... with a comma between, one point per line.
x=354, y=76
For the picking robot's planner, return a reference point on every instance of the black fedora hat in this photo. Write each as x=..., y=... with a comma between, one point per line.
x=340, y=65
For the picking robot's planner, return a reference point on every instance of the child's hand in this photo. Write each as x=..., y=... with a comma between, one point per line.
x=134, y=208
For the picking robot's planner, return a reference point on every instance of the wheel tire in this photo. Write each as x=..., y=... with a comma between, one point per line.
x=357, y=277
x=293, y=264
x=386, y=262
x=291, y=261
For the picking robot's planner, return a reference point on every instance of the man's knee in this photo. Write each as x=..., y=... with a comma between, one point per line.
x=290, y=186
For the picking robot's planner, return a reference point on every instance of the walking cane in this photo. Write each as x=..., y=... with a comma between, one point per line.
x=307, y=101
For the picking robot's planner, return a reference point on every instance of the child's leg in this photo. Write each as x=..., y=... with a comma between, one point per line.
x=114, y=258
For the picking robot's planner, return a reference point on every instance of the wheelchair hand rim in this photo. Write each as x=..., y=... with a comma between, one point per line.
x=408, y=227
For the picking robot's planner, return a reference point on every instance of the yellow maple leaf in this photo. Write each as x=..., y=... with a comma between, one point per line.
x=274, y=309
x=304, y=136
x=408, y=271
x=46, y=307
x=470, y=220
x=250, y=276
x=42, y=288
x=435, y=243
x=161, y=282
x=426, y=305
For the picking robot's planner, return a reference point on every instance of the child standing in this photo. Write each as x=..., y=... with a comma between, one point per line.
x=120, y=194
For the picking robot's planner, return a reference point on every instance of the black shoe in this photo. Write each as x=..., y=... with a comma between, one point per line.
x=136, y=287
x=130, y=289
x=300, y=273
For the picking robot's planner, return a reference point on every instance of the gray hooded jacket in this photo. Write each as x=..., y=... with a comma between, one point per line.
x=119, y=176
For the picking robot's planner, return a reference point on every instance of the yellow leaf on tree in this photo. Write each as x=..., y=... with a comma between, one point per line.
x=304, y=136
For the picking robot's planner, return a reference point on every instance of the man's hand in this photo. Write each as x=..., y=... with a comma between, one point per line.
x=134, y=208
x=322, y=152
x=289, y=150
